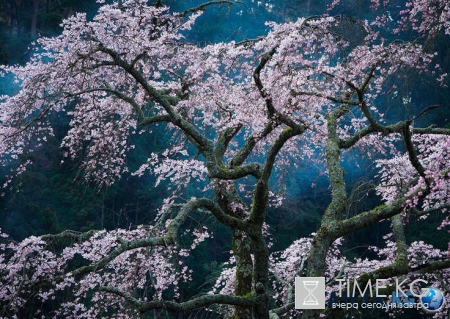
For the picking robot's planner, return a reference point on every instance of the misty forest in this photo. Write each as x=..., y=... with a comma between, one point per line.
x=190, y=159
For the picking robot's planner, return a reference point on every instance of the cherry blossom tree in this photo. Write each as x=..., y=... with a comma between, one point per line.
x=240, y=115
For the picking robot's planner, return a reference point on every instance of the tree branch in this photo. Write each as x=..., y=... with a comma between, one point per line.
x=117, y=93
x=400, y=240
x=412, y=153
x=195, y=303
x=335, y=170
x=355, y=138
x=370, y=217
x=431, y=130
x=260, y=196
x=155, y=119
x=424, y=111
x=30, y=122
x=250, y=143
x=203, y=6
x=198, y=302
x=275, y=313
x=234, y=173
x=224, y=140
x=205, y=145
x=396, y=269
x=220, y=215
x=169, y=239
x=68, y=234
x=285, y=135
x=125, y=295
x=419, y=213
x=330, y=98
x=257, y=78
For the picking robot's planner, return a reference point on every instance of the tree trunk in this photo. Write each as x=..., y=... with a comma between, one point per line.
x=317, y=263
x=244, y=271
x=226, y=195
x=34, y=19
x=261, y=277
x=328, y=232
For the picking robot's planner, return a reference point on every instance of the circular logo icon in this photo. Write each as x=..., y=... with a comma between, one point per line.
x=432, y=300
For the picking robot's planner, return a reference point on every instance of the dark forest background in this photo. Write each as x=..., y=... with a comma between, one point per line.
x=51, y=197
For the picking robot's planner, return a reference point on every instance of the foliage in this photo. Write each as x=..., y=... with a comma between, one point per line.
x=240, y=116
